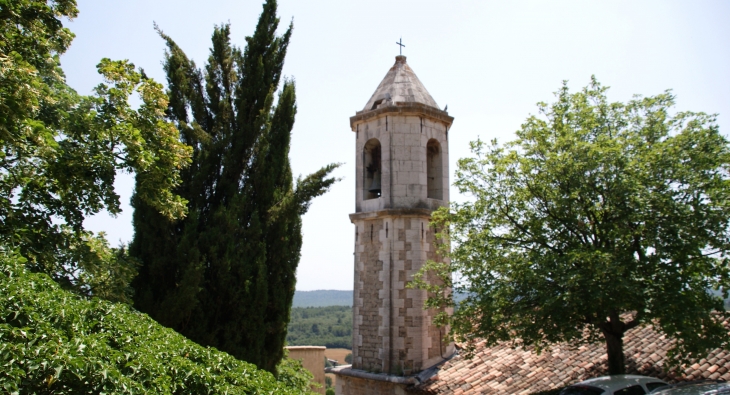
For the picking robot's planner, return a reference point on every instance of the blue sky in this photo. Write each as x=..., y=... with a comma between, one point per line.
x=489, y=61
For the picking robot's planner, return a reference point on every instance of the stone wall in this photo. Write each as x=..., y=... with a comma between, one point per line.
x=367, y=318
x=404, y=155
x=312, y=358
x=392, y=332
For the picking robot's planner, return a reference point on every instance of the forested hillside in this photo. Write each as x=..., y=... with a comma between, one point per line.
x=329, y=326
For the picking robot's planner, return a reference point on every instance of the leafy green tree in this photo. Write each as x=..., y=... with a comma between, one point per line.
x=61, y=151
x=599, y=218
x=225, y=275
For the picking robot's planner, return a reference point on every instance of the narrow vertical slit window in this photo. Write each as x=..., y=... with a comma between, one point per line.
x=386, y=230
x=371, y=232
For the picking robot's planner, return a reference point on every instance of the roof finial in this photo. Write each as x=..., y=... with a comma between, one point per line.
x=400, y=42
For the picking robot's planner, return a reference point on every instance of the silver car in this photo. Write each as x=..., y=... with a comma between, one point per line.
x=619, y=384
x=704, y=388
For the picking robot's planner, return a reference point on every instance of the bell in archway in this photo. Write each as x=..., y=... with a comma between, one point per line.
x=375, y=186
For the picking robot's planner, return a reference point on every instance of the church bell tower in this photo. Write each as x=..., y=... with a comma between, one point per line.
x=402, y=177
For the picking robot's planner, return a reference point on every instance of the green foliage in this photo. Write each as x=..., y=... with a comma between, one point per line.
x=600, y=217
x=292, y=375
x=348, y=358
x=330, y=391
x=225, y=275
x=54, y=342
x=61, y=151
x=333, y=323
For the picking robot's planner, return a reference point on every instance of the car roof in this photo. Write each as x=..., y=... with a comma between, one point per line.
x=696, y=389
x=618, y=381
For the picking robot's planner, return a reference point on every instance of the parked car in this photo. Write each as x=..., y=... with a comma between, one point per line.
x=696, y=388
x=619, y=384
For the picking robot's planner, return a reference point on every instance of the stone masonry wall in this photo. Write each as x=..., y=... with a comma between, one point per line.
x=438, y=348
x=312, y=358
x=368, y=305
x=403, y=141
x=392, y=332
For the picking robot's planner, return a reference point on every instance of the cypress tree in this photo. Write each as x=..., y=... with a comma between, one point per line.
x=225, y=275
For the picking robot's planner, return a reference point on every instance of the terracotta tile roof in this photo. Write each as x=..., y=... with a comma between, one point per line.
x=504, y=370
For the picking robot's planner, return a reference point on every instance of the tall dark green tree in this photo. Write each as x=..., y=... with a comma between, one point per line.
x=225, y=275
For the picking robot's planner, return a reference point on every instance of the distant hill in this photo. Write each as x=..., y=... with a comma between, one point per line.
x=328, y=297
x=322, y=298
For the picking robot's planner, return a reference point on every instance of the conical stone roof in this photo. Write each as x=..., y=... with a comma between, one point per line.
x=400, y=85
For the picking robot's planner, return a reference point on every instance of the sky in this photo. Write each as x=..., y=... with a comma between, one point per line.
x=489, y=61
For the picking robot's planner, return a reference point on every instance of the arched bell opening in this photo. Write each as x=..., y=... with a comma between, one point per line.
x=434, y=168
x=372, y=170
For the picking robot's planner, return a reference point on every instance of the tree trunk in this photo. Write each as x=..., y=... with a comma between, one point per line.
x=615, y=351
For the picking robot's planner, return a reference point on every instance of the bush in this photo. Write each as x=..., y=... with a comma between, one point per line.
x=52, y=341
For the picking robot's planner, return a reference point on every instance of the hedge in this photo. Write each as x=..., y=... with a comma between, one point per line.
x=54, y=342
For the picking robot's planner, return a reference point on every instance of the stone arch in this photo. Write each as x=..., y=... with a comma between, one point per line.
x=372, y=170
x=434, y=169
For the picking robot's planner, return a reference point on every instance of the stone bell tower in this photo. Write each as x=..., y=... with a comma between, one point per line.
x=402, y=176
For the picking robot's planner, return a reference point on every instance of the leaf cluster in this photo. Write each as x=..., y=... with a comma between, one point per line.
x=60, y=151
x=54, y=342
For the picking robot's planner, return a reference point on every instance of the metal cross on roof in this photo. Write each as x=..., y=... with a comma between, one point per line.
x=400, y=42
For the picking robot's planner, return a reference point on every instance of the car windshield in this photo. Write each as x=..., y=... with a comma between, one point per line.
x=581, y=390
